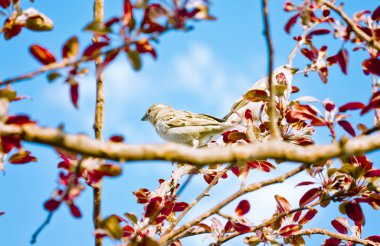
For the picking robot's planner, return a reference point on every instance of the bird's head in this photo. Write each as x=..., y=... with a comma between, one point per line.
x=153, y=111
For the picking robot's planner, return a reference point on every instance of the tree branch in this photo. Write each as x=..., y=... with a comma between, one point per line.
x=98, y=122
x=275, y=132
x=279, y=150
x=350, y=23
x=175, y=234
x=335, y=235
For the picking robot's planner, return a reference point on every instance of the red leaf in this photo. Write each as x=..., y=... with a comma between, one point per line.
x=339, y=226
x=374, y=238
x=142, y=195
x=296, y=216
x=22, y=157
x=240, y=227
x=242, y=208
x=289, y=230
x=2, y=213
x=347, y=127
x=282, y=204
x=305, y=183
x=317, y=32
x=153, y=206
x=371, y=65
x=74, y=93
x=329, y=105
x=332, y=242
x=342, y=58
x=264, y=166
x=143, y=46
x=10, y=142
x=312, y=56
x=75, y=211
x=5, y=3
x=308, y=216
x=11, y=30
x=295, y=89
x=248, y=115
x=291, y=22
x=355, y=212
x=109, y=57
x=180, y=206
x=42, y=54
x=372, y=173
x=168, y=208
x=127, y=15
x=52, y=204
x=376, y=14
x=351, y=106
x=306, y=112
x=128, y=230
x=19, y=120
x=228, y=226
x=94, y=49
x=309, y=196
x=117, y=138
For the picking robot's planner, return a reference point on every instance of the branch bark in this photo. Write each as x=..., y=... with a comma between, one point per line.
x=279, y=150
x=98, y=122
x=275, y=132
x=336, y=235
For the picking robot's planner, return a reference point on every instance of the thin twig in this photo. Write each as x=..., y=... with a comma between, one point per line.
x=369, y=40
x=275, y=132
x=336, y=235
x=41, y=227
x=196, y=200
x=172, y=236
x=294, y=52
x=269, y=221
x=98, y=123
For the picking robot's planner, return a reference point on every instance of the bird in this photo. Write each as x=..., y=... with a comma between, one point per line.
x=184, y=127
x=282, y=78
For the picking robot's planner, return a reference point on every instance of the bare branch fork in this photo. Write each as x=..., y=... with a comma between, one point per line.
x=279, y=150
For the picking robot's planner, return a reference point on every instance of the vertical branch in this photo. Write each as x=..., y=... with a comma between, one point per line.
x=99, y=117
x=275, y=133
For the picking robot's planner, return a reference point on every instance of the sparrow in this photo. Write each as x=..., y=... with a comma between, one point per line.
x=185, y=127
x=282, y=79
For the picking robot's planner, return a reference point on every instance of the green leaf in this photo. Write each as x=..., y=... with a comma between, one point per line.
x=112, y=226
x=256, y=96
x=53, y=76
x=135, y=59
x=8, y=93
x=98, y=27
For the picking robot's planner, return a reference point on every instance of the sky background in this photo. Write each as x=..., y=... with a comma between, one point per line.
x=204, y=71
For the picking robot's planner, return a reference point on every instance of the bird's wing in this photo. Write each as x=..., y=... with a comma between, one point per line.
x=185, y=118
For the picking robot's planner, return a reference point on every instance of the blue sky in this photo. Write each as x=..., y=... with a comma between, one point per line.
x=205, y=71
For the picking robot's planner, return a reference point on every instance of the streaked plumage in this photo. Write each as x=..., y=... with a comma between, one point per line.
x=185, y=127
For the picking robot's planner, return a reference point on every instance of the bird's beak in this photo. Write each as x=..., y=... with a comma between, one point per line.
x=145, y=117
x=293, y=70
